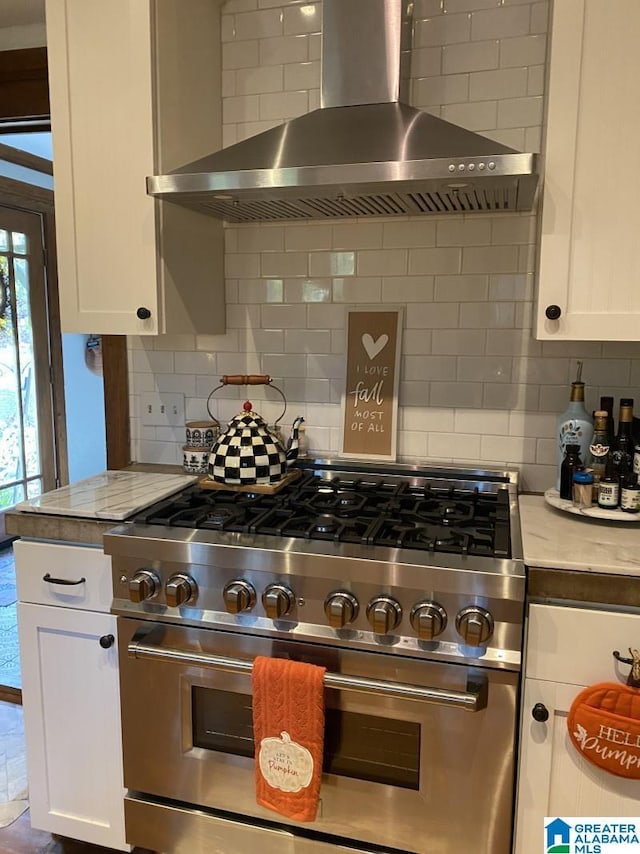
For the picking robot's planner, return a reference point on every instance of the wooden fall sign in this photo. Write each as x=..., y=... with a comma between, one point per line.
x=370, y=402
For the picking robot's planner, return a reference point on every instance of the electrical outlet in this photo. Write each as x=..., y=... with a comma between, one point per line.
x=162, y=409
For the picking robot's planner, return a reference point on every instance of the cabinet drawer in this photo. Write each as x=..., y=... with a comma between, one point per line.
x=575, y=645
x=86, y=565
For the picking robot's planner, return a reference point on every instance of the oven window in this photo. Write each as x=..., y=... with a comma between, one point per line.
x=379, y=750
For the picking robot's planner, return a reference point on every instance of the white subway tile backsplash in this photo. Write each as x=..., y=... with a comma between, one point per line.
x=382, y=262
x=195, y=363
x=302, y=75
x=282, y=105
x=442, y=30
x=443, y=315
x=464, y=231
x=476, y=115
x=479, y=56
x=474, y=385
x=434, y=261
x=456, y=394
x=505, y=448
x=458, y=342
x=490, y=259
x=494, y=369
x=260, y=290
x=429, y=368
x=262, y=24
x=321, y=316
x=409, y=233
x=283, y=317
x=487, y=315
x=520, y=112
x=502, y=83
x=485, y=423
x=357, y=290
x=407, y=289
x=500, y=23
x=282, y=50
x=306, y=18
x=453, y=446
x=460, y=288
x=307, y=341
x=284, y=264
x=358, y=235
x=449, y=89
x=524, y=50
x=307, y=290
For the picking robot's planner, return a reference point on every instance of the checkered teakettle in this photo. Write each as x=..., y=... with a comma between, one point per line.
x=248, y=453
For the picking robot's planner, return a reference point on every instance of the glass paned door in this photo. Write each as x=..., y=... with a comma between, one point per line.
x=27, y=458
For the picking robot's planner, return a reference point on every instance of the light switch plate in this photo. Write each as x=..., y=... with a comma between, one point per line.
x=161, y=409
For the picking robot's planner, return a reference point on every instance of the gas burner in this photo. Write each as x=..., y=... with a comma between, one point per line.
x=222, y=516
x=326, y=500
x=326, y=524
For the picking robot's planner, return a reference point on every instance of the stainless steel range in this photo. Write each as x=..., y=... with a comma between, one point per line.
x=407, y=584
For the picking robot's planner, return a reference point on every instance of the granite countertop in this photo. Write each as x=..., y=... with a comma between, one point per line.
x=554, y=539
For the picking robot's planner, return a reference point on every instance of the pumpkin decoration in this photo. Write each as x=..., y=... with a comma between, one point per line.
x=604, y=725
x=284, y=764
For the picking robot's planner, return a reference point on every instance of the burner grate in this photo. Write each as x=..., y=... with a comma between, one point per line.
x=371, y=511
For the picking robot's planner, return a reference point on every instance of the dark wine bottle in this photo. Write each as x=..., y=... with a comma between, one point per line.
x=622, y=454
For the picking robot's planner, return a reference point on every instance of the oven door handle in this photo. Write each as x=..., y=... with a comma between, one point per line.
x=474, y=699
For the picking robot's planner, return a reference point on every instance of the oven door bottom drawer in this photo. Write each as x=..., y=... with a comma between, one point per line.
x=172, y=828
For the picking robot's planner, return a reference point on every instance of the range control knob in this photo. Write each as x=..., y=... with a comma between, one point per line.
x=143, y=585
x=428, y=619
x=474, y=625
x=239, y=596
x=384, y=614
x=277, y=601
x=179, y=590
x=341, y=607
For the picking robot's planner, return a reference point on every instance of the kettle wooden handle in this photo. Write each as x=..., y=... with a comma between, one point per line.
x=245, y=379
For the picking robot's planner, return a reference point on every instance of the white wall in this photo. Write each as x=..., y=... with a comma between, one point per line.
x=474, y=386
x=84, y=403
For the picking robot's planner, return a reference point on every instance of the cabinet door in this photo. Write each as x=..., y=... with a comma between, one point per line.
x=553, y=778
x=589, y=250
x=72, y=724
x=133, y=93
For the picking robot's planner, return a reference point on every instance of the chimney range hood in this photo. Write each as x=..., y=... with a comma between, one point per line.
x=365, y=152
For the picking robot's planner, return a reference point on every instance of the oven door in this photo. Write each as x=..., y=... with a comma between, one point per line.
x=418, y=755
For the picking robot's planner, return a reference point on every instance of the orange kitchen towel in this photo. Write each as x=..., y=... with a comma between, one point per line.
x=288, y=732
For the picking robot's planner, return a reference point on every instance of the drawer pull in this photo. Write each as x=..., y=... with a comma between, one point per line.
x=107, y=641
x=50, y=580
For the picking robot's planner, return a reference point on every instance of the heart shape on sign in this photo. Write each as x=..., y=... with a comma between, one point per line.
x=374, y=347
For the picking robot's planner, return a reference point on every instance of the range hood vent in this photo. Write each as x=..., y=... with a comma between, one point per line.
x=364, y=152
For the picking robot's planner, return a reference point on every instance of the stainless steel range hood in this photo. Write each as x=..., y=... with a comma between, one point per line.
x=365, y=152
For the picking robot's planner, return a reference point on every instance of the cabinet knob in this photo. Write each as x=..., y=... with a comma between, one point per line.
x=107, y=641
x=553, y=312
x=143, y=313
x=540, y=713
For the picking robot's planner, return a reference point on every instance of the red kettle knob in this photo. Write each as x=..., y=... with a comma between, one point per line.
x=247, y=406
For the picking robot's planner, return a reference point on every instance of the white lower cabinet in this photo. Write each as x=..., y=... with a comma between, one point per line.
x=567, y=650
x=71, y=695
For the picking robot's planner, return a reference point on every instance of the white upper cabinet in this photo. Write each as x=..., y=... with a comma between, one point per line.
x=135, y=91
x=589, y=265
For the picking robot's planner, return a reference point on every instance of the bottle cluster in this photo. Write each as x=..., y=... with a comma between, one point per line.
x=605, y=469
